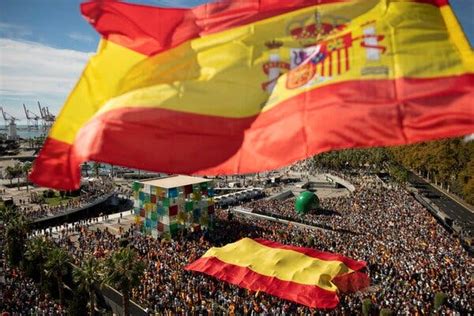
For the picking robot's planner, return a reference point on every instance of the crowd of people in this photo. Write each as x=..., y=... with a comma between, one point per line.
x=89, y=193
x=19, y=295
x=327, y=216
x=410, y=256
x=166, y=287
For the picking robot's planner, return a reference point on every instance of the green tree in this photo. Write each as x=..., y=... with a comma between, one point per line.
x=88, y=277
x=37, y=249
x=123, y=272
x=39, y=141
x=367, y=307
x=86, y=167
x=96, y=166
x=386, y=312
x=16, y=234
x=439, y=300
x=7, y=213
x=399, y=173
x=448, y=162
x=26, y=168
x=465, y=182
x=204, y=221
x=57, y=267
x=17, y=173
x=10, y=173
x=78, y=305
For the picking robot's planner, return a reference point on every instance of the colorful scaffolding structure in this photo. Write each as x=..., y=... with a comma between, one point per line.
x=166, y=205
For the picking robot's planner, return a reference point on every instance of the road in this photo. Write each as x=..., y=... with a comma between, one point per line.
x=457, y=212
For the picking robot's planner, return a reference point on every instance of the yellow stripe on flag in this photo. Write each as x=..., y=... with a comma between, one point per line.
x=222, y=74
x=257, y=92
x=286, y=265
x=100, y=81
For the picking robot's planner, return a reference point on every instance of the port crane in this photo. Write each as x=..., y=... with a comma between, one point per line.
x=32, y=118
x=46, y=116
x=8, y=118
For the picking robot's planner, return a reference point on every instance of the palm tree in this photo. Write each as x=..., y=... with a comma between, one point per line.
x=112, y=170
x=123, y=272
x=57, y=267
x=88, y=276
x=86, y=167
x=15, y=235
x=26, y=171
x=10, y=173
x=18, y=171
x=204, y=221
x=36, y=253
x=7, y=213
x=96, y=166
x=38, y=143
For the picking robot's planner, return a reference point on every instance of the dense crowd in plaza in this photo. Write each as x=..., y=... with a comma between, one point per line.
x=331, y=211
x=410, y=256
x=19, y=295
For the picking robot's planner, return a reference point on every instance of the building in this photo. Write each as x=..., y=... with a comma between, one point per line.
x=166, y=205
x=12, y=131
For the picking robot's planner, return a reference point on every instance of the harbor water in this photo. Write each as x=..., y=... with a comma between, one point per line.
x=25, y=133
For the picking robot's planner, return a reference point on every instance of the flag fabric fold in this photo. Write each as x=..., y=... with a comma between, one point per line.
x=247, y=86
x=302, y=275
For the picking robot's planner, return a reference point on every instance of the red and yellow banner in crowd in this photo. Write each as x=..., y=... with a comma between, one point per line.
x=245, y=86
x=302, y=275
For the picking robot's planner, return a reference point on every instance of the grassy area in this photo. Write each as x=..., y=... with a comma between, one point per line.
x=53, y=201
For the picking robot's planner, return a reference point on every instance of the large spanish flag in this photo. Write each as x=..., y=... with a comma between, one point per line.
x=302, y=275
x=246, y=86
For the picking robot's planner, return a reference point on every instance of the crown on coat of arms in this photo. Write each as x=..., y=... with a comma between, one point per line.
x=273, y=44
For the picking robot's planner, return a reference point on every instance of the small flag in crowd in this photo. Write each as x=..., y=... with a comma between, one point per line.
x=246, y=86
x=305, y=276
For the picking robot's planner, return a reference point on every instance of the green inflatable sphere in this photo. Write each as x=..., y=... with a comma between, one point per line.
x=305, y=202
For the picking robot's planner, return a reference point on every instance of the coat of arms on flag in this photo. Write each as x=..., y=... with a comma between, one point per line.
x=245, y=86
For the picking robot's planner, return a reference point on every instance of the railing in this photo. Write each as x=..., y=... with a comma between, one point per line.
x=95, y=208
x=93, y=203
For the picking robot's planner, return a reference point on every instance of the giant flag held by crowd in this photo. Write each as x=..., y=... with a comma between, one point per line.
x=306, y=276
x=245, y=86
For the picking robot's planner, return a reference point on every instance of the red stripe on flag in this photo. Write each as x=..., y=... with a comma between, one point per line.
x=309, y=295
x=339, y=61
x=346, y=54
x=151, y=30
x=322, y=67
x=57, y=166
x=351, y=282
x=327, y=256
x=438, y=3
x=345, y=115
x=330, y=64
